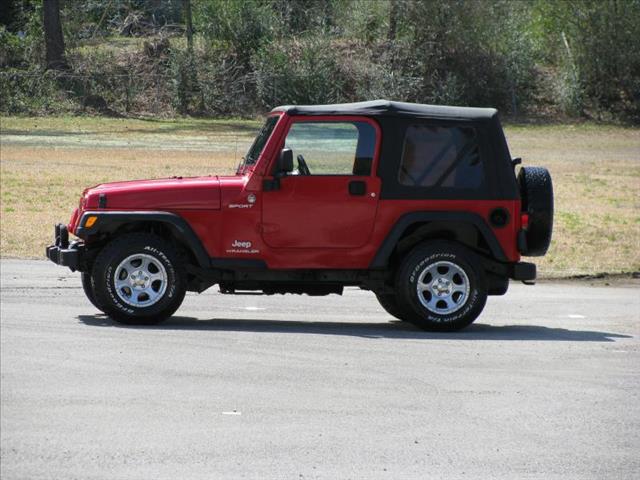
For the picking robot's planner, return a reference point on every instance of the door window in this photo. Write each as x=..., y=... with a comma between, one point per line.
x=332, y=148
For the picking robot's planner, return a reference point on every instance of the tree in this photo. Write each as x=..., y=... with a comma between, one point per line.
x=189, y=19
x=54, y=41
x=596, y=45
x=393, y=20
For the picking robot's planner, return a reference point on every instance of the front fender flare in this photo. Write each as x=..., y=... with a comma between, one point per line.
x=109, y=221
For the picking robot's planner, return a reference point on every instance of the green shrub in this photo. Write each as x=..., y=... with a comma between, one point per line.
x=33, y=93
x=12, y=49
x=523, y=57
x=299, y=71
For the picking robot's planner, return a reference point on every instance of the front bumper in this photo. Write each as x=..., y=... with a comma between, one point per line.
x=63, y=252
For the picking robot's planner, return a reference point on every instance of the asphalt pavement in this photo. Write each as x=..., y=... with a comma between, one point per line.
x=545, y=384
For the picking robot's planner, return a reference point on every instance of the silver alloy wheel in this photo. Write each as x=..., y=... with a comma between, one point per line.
x=443, y=287
x=140, y=280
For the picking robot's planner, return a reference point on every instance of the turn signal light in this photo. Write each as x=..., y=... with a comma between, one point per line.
x=90, y=221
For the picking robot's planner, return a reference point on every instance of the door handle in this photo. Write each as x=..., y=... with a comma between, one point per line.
x=357, y=187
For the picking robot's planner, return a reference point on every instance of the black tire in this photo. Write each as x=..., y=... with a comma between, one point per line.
x=160, y=255
x=444, y=259
x=536, y=190
x=87, y=286
x=389, y=302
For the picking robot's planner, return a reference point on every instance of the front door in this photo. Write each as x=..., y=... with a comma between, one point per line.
x=330, y=200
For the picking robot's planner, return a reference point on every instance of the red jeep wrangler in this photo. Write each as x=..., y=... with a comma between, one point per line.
x=419, y=204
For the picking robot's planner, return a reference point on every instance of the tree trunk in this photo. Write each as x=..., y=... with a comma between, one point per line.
x=393, y=20
x=53, y=38
x=187, y=8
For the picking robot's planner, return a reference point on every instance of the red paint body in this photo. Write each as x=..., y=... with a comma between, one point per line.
x=311, y=222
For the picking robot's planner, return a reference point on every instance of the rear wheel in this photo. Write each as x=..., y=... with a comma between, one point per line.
x=442, y=287
x=389, y=302
x=139, y=279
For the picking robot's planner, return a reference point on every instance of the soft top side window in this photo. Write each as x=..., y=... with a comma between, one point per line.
x=441, y=157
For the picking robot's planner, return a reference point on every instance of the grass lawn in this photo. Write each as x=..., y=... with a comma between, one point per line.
x=47, y=162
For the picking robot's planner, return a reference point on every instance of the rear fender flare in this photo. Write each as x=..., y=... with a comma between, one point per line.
x=389, y=244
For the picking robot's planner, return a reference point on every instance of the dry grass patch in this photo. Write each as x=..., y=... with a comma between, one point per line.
x=46, y=163
x=596, y=176
x=41, y=186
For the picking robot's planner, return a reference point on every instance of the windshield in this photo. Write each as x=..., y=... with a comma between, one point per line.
x=258, y=144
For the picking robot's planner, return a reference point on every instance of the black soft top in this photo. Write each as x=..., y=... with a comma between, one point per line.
x=387, y=108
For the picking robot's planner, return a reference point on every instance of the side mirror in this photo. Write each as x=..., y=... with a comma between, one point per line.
x=284, y=164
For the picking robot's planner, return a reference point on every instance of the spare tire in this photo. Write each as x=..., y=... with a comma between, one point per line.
x=536, y=191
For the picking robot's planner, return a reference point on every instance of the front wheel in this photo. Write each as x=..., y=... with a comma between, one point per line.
x=87, y=286
x=139, y=279
x=442, y=286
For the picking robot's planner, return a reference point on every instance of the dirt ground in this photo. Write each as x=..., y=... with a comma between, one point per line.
x=47, y=162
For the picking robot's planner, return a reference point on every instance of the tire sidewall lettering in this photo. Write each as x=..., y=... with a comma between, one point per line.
x=171, y=280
